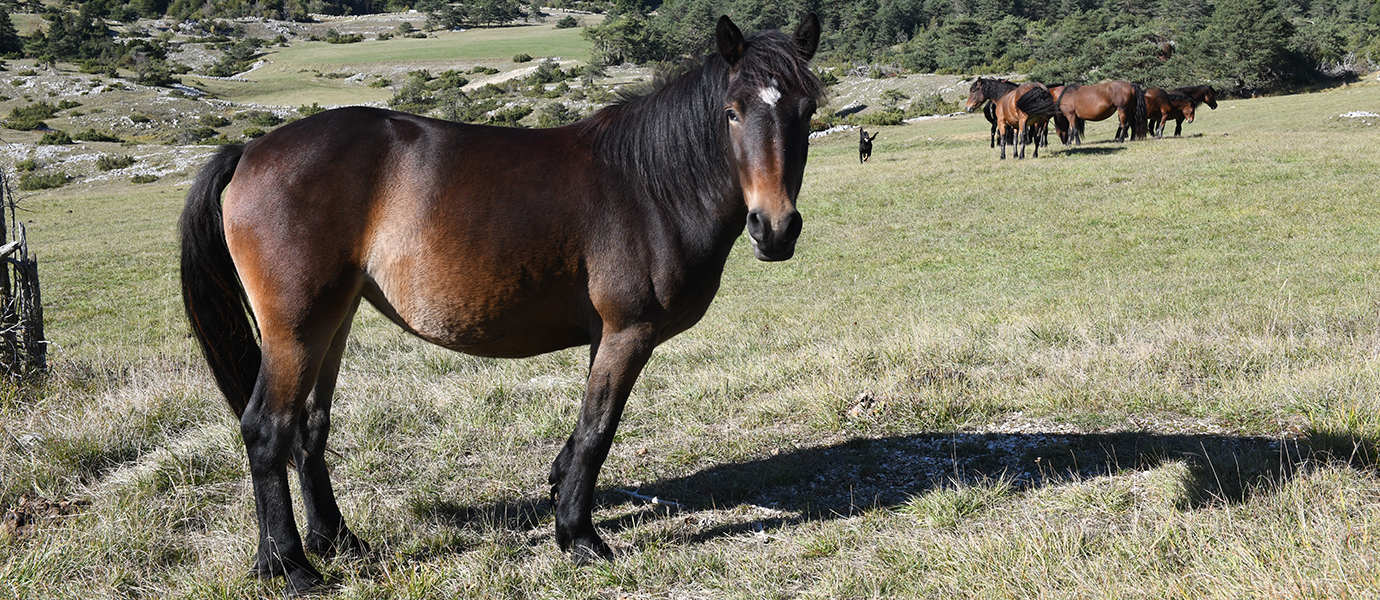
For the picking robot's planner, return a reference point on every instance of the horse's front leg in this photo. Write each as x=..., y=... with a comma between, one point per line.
x=616, y=362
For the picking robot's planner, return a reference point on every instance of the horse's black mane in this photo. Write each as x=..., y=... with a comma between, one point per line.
x=670, y=142
x=1189, y=91
x=994, y=89
x=1177, y=97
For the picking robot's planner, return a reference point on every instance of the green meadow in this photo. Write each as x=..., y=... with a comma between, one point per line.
x=1116, y=370
x=287, y=77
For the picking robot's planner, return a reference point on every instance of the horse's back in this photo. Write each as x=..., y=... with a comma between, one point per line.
x=463, y=234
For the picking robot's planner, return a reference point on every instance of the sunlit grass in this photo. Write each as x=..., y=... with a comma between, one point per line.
x=1092, y=374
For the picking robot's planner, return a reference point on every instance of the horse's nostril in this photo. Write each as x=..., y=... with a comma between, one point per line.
x=754, y=224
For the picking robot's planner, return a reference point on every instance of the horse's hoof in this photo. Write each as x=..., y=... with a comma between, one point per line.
x=586, y=552
x=308, y=585
x=346, y=543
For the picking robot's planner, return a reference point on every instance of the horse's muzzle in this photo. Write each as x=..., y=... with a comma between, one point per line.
x=773, y=241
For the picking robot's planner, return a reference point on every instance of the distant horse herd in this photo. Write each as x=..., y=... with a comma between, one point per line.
x=1020, y=113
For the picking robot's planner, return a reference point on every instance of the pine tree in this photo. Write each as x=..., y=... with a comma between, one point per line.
x=9, y=38
x=1246, y=43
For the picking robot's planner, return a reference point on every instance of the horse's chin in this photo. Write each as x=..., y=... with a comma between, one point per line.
x=777, y=255
x=764, y=257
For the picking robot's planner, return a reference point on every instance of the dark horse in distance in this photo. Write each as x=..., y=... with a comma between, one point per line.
x=501, y=242
x=865, y=145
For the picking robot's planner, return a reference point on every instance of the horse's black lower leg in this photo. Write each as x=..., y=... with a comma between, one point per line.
x=616, y=364
x=1178, y=126
x=327, y=534
x=269, y=432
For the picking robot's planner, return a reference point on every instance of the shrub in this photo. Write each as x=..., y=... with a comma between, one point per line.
x=888, y=117
x=26, y=165
x=143, y=178
x=556, y=114
x=253, y=132
x=55, y=138
x=30, y=117
x=510, y=117
x=308, y=111
x=213, y=121
x=43, y=181
x=194, y=135
x=155, y=73
x=261, y=118
x=522, y=58
x=138, y=118
x=335, y=37
x=483, y=71
x=110, y=162
x=66, y=104
x=568, y=22
x=93, y=135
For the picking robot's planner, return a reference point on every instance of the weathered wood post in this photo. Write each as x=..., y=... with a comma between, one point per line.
x=23, y=350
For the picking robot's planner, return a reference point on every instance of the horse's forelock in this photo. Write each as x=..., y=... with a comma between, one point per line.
x=773, y=59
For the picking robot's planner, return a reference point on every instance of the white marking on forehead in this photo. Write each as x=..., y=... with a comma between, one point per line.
x=770, y=95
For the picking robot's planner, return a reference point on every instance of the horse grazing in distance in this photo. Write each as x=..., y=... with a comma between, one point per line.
x=1024, y=113
x=1201, y=94
x=1082, y=103
x=1161, y=106
x=865, y=145
x=612, y=231
x=985, y=92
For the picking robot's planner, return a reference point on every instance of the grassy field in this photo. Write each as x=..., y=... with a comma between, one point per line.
x=286, y=79
x=1118, y=370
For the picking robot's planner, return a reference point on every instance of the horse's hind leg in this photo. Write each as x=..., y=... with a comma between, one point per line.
x=297, y=328
x=327, y=534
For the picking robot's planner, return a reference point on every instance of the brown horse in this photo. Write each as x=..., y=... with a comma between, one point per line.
x=985, y=92
x=611, y=232
x=1201, y=94
x=1161, y=106
x=1081, y=103
x=1024, y=113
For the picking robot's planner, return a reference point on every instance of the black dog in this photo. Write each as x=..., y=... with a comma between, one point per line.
x=865, y=145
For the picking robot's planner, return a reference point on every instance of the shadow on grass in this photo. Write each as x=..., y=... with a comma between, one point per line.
x=1087, y=150
x=828, y=482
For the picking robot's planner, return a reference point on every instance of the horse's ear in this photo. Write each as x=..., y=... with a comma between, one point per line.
x=730, y=40
x=807, y=36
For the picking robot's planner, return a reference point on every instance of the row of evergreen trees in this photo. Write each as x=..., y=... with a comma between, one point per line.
x=1244, y=46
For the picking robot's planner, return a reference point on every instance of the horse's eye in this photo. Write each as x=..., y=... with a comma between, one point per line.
x=732, y=115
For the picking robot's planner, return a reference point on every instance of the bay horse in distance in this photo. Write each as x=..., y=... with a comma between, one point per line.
x=865, y=145
x=1082, y=103
x=500, y=242
x=1161, y=106
x=1024, y=113
x=985, y=92
x=1201, y=94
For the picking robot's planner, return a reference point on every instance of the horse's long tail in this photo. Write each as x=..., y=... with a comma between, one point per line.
x=211, y=291
x=1138, y=124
